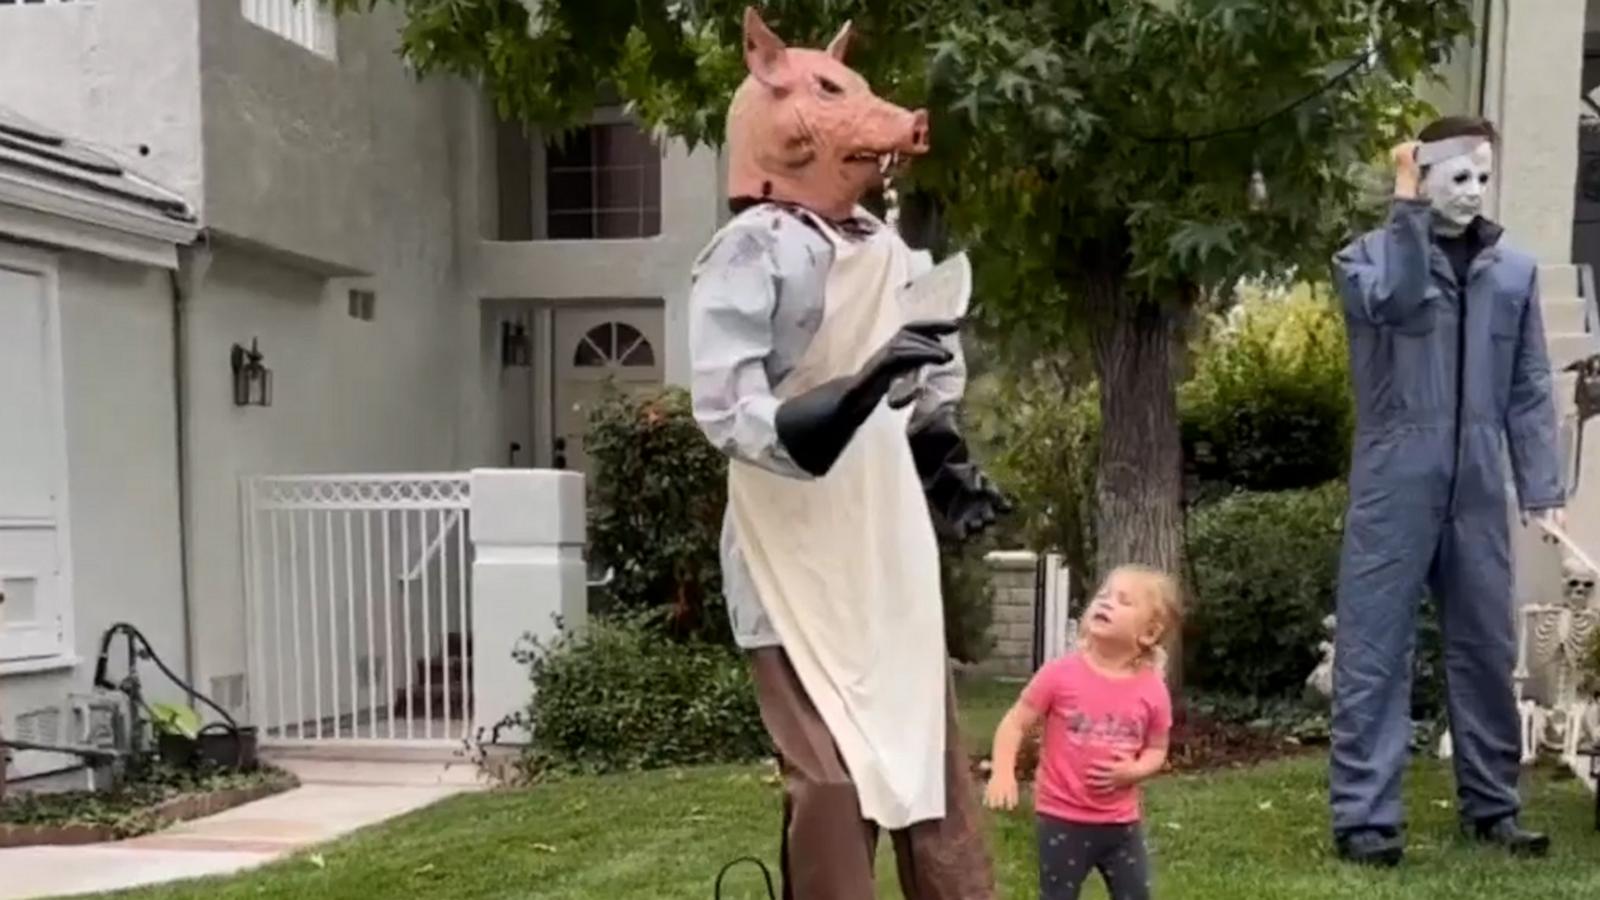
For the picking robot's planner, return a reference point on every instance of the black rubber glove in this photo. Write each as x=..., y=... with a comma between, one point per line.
x=816, y=426
x=962, y=499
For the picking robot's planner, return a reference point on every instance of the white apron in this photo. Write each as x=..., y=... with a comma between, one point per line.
x=847, y=566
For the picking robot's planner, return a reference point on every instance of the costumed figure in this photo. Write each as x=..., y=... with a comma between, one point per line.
x=1448, y=357
x=802, y=343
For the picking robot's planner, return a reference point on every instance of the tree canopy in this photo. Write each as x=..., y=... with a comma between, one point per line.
x=1064, y=131
x=1097, y=156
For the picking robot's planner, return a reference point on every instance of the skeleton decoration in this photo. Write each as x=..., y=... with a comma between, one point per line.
x=1319, y=684
x=1553, y=640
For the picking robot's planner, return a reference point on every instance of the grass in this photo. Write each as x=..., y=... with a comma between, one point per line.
x=1258, y=833
x=982, y=703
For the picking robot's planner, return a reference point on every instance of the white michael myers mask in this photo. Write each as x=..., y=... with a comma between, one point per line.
x=1456, y=174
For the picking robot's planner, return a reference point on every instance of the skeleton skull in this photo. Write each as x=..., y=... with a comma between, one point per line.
x=1577, y=582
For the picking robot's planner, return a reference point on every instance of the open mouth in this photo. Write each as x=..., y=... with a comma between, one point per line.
x=884, y=161
x=1100, y=616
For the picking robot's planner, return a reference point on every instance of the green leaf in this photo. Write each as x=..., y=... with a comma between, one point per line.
x=179, y=720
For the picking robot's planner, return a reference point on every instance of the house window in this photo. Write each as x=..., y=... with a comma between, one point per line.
x=614, y=344
x=363, y=305
x=603, y=183
x=309, y=23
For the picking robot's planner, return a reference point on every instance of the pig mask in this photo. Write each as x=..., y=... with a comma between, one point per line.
x=805, y=128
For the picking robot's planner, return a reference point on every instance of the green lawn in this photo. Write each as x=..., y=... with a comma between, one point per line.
x=982, y=703
x=1251, y=834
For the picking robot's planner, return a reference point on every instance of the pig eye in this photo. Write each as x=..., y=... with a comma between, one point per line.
x=829, y=86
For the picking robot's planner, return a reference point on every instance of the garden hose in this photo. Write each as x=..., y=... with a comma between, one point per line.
x=130, y=685
x=765, y=874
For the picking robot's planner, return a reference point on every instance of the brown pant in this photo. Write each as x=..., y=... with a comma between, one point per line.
x=828, y=849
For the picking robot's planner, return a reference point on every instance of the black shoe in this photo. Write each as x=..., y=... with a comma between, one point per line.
x=1382, y=847
x=1506, y=833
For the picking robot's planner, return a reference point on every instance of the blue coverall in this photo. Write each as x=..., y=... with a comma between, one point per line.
x=1445, y=378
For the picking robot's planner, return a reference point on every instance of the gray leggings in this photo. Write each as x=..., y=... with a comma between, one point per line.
x=1068, y=851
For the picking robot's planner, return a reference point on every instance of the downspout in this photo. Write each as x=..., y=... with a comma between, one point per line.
x=192, y=264
x=1486, y=32
x=1500, y=85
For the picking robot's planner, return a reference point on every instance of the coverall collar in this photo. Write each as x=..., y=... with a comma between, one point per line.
x=1487, y=234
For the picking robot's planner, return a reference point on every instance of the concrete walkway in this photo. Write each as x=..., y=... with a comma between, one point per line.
x=334, y=799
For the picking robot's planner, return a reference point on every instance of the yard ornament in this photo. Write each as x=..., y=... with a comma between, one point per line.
x=827, y=366
x=1447, y=350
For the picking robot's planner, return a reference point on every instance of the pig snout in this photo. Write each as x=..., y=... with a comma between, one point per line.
x=891, y=129
x=919, y=133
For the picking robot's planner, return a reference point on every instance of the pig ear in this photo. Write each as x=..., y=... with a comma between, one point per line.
x=764, y=52
x=840, y=45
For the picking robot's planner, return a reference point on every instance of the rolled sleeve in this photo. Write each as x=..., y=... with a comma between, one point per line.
x=942, y=386
x=731, y=306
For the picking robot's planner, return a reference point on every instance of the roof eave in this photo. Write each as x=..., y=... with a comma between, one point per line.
x=143, y=229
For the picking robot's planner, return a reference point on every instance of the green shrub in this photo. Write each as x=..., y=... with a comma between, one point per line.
x=1269, y=405
x=1039, y=438
x=656, y=503
x=968, y=601
x=1265, y=569
x=620, y=697
x=1591, y=664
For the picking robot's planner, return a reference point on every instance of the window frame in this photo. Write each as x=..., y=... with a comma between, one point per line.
x=540, y=186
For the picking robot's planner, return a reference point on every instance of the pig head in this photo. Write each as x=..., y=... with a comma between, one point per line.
x=805, y=128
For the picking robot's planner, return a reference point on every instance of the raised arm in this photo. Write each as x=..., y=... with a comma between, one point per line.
x=735, y=291
x=1385, y=279
x=731, y=304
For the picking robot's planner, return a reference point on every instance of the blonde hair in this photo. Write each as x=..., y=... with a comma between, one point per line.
x=1161, y=590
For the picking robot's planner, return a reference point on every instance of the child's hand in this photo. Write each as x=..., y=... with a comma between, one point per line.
x=1001, y=792
x=1109, y=775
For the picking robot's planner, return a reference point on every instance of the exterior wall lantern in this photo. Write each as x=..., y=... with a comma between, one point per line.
x=516, y=350
x=252, y=381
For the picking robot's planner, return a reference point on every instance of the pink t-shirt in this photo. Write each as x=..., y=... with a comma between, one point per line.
x=1091, y=717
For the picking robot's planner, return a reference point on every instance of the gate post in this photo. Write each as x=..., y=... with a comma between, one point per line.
x=528, y=580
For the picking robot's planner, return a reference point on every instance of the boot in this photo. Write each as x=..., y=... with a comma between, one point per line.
x=1381, y=847
x=1508, y=834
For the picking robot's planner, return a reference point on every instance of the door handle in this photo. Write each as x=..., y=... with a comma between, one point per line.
x=560, y=446
x=516, y=447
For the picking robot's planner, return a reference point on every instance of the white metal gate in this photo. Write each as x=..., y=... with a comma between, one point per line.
x=359, y=607
x=1054, y=629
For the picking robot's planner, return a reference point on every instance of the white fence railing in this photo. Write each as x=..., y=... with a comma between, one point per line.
x=309, y=23
x=359, y=607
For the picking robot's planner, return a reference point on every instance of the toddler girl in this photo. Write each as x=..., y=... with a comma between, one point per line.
x=1107, y=716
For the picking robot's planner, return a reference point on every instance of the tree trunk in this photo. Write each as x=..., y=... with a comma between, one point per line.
x=1139, y=482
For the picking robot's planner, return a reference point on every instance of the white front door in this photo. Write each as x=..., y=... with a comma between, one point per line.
x=32, y=465
x=619, y=344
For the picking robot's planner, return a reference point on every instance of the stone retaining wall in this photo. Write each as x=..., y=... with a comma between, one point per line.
x=1012, y=575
